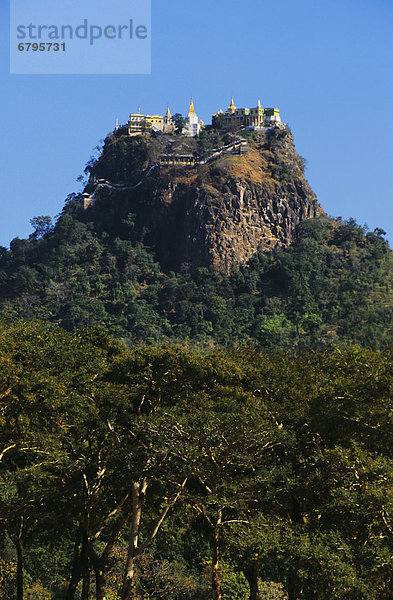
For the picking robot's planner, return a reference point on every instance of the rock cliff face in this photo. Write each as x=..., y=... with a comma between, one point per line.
x=220, y=213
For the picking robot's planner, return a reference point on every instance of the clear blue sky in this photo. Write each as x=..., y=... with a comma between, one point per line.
x=328, y=66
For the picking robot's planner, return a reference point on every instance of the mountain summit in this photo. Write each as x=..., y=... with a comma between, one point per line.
x=215, y=238
x=212, y=200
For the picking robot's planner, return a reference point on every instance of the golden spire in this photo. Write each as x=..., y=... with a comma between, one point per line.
x=259, y=103
x=192, y=109
x=232, y=105
x=168, y=112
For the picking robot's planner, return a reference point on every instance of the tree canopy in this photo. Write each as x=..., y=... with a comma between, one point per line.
x=162, y=472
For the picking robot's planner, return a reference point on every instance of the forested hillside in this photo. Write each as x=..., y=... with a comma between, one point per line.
x=332, y=285
x=224, y=252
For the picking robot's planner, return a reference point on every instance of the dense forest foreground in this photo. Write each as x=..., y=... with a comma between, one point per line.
x=182, y=473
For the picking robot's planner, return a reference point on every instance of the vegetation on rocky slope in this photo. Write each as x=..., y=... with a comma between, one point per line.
x=218, y=212
x=332, y=285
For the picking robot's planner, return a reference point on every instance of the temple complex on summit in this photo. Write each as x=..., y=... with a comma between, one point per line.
x=231, y=120
x=247, y=118
x=139, y=123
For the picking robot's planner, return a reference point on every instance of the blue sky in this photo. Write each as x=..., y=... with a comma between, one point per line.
x=326, y=65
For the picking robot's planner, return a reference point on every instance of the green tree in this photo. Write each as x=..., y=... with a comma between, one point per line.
x=41, y=225
x=179, y=122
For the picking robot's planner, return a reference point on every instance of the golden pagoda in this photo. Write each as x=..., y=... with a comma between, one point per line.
x=192, y=109
x=231, y=107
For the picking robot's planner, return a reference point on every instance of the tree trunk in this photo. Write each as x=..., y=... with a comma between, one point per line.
x=138, y=491
x=19, y=567
x=76, y=569
x=72, y=586
x=100, y=583
x=297, y=518
x=251, y=573
x=292, y=591
x=84, y=558
x=100, y=563
x=215, y=576
x=138, y=494
x=86, y=585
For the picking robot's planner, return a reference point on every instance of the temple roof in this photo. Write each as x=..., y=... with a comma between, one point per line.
x=192, y=109
x=232, y=104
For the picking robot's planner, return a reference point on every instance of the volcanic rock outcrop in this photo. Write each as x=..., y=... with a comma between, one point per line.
x=219, y=211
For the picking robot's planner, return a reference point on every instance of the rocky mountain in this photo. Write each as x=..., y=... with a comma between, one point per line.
x=220, y=211
x=217, y=239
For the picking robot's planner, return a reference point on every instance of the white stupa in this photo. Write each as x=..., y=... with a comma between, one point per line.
x=193, y=125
